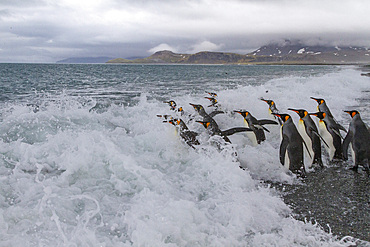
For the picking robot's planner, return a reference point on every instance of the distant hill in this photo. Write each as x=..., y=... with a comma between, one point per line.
x=285, y=53
x=85, y=60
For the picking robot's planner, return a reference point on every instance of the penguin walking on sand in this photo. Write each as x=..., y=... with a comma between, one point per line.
x=329, y=131
x=310, y=134
x=273, y=109
x=190, y=137
x=258, y=134
x=291, y=147
x=358, y=138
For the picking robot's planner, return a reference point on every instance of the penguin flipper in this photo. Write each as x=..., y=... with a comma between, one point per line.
x=340, y=127
x=345, y=145
x=232, y=131
x=308, y=151
x=261, y=127
x=337, y=133
x=214, y=113
x=313, y=131
x=283, y=147
x=267, y=121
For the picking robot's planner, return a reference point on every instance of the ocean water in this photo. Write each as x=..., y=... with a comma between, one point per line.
x=84, y=161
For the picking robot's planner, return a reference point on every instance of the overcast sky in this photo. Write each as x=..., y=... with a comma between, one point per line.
x=50, y=30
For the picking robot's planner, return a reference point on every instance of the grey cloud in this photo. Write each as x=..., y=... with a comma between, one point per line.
x=122, y=28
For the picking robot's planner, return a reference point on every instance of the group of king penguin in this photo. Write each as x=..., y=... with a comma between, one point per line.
x=305, y=140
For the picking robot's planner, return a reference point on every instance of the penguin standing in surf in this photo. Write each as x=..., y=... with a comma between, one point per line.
x=190, y=137
x=310, y=134
x=224, y=133
x=207, y=117
x=291, y=146
x=329, y=131
x=273, y=109
x=358, y=137
x=258, y=134
x=323, y=107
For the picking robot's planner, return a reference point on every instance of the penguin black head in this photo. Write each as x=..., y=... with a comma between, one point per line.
x=301, y=112
x=205, y=124
x=284, y=117
x=171, y=103
x=318, y=100
x=269, y=102
x=320, y=115
x=212, y=94
x=213, y=100
x=198, y=108
x=243, y=113
x=352, y=113
x=175, y=121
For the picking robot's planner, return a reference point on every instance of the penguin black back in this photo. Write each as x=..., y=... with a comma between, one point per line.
x=359, y=137
x=291, y=146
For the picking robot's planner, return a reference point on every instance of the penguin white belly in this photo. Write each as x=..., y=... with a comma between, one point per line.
x=286, y=160
x=328, y=139
x=251, y=135
x=353, y=154
x=308, y=154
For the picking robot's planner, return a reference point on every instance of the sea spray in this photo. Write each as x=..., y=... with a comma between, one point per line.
x=120, y=177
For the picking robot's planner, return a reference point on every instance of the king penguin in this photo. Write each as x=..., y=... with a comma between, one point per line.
x=213, y=126
x=258, y=134
x=223, y=133
x=273, y=109
x=310, y=134
x=330, y=133
x=358, y=137
x=291, y=147
x=323, y=107
x=190, y=137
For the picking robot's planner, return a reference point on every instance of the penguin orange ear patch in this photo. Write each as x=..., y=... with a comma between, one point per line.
x=353, y=113
x=207, y=124
x=286, y=118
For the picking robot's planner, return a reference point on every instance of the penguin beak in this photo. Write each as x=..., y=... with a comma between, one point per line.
x=313, y=114
x=317, y=100
x=276, y=114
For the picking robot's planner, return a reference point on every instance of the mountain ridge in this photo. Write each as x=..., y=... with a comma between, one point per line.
x=286, y=53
